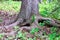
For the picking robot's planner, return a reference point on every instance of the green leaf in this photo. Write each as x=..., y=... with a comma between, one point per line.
x=16, y=27
x=52, y=36
x=1, y=20
x=41, y=24
x=34, y=30
x=33, y=18
x=30, y=39
x=1, y=35
x=21, y=35
x=53, y=29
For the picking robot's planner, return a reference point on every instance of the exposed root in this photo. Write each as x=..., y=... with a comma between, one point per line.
x=38, y=18
x=13, y=24
x=51, y=23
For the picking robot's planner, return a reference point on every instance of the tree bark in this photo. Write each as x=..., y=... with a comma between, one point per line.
x=25, y=11
x=28, y=8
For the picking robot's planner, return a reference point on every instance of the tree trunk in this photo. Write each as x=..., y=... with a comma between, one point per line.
x=28, y=8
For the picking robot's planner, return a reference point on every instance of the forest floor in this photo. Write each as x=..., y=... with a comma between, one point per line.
x=15, y=33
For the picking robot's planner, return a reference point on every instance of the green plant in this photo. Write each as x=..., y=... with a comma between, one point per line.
x=30, y=39
x=34, y=38
x=1, y=36
x=16, y=28
x=1, y=20
x=33, y=18
x=21, y=35
x=50, y=9
x=10, y=5
x=10, y=38
x=41, y=24
x=57, y=38
x=34, y=30
x=53, y=29
x=52, y=36
x=47, y=22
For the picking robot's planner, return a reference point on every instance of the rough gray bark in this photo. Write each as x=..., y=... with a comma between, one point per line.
x=34, y=7
x=25, y=11
x=28, y=8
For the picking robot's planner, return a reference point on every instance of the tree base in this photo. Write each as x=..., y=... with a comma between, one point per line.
x=37, y=20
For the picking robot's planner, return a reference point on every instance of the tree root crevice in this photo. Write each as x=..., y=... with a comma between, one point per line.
x=52, y=22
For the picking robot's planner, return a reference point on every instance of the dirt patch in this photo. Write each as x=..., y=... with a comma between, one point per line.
x=6, y=18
